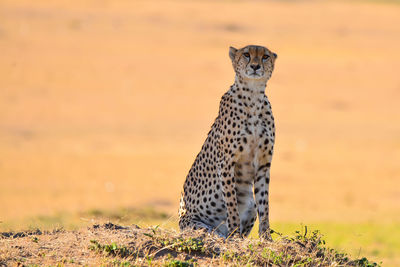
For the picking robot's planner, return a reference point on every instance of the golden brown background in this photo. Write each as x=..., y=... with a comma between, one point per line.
x=105, y=104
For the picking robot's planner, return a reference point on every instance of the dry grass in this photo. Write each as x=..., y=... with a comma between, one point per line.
x=102, y=100
x=115, y=245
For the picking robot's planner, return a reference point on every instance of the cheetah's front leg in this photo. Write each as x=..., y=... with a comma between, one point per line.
x=230, y=199
x=261, y=192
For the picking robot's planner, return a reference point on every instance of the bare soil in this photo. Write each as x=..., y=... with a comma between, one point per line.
x=116, y=245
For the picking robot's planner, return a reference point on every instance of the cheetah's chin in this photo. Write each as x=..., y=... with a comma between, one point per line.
x=254, y=75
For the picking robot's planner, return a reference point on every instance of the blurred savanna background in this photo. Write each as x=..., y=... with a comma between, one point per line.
x=105, y=104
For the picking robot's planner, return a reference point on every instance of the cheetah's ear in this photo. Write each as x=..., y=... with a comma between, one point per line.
x=232, y=52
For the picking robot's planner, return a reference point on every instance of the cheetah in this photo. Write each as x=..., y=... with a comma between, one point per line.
x=236, y=156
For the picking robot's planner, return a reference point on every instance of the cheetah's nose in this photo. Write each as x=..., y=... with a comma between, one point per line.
x=255, y=67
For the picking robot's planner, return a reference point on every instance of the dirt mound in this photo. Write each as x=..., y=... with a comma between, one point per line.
x=110, y=244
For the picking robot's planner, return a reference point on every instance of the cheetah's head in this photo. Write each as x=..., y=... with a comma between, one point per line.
x=253, y=62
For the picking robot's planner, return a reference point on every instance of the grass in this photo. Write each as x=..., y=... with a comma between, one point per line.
x=144, y=216
x=377, y=241
x=116, y=245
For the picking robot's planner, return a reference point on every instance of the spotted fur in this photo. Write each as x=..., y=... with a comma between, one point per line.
x=228, y=183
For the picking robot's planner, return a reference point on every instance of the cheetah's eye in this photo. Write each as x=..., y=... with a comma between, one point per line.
x=265, y=57
x=246, y=55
